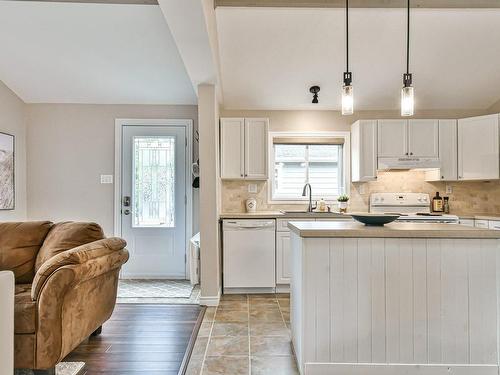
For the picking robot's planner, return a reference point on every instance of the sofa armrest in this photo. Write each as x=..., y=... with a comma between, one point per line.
x=88, y=261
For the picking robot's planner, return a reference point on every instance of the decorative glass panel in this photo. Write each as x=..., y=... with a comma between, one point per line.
x=153, y=197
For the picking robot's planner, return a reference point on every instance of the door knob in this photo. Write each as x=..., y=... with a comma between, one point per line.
x=126, y=212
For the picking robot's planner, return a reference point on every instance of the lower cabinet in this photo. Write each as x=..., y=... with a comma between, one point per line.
x=283, y=258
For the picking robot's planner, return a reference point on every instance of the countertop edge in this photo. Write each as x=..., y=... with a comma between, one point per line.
x=375, y=232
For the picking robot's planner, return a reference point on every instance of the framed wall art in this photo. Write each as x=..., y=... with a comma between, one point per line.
x=7, y=166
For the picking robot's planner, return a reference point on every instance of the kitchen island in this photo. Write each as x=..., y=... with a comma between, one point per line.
x=405, y=298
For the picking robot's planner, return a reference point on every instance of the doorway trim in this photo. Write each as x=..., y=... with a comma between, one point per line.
x=188, y=125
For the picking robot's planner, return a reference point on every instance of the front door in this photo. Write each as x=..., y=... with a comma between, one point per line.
x=154, y=201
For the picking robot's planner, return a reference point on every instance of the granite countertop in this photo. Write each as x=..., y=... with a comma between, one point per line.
x=283, y=215
x=393, y=230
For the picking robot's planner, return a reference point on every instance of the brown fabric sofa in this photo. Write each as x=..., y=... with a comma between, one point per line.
x=66, y=283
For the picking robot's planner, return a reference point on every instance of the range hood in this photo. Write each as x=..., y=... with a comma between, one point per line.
x=408, y=163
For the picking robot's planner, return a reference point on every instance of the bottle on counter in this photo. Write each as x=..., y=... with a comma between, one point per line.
x=322, y=205
x=437, y=203
x=446, y=205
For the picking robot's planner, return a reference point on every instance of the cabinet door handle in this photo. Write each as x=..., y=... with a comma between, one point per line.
x=411, y=153
x=442, y=177
x=406, y=153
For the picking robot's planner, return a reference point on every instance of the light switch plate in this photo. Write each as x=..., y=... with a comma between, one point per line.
x=106, y=179
x=252, y=188
x=362, y=189
x=449, y=189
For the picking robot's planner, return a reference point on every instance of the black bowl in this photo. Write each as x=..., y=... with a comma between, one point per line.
x=374, y=219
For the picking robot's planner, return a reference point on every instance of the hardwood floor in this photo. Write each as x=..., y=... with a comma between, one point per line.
x=140, y=339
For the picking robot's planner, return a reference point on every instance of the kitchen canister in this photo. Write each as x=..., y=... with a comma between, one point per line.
x=251, y=204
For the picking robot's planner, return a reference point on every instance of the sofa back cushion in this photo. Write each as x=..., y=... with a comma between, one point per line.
x=19, y=246
x=66, y=236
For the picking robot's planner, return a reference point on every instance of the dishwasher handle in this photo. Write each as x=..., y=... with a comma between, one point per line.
x=242, y=225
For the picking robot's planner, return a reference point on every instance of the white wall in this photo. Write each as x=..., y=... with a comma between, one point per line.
x=12, y=121
x=70, y=146
x=209, y=195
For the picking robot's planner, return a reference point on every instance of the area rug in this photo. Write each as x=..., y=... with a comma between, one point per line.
x=146, y=288
x=62, y=368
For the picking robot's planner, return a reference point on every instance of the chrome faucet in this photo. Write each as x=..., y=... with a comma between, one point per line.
x=310, y=208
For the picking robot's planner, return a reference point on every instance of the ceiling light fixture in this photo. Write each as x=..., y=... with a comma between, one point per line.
x=314, y=90
x=407, y=94
x=347, y=93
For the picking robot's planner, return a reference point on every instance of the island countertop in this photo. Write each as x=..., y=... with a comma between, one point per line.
x=327, y=229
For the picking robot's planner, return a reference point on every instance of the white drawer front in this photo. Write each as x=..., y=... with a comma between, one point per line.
x=494, y=224
x=481, y=224
x=467, y=222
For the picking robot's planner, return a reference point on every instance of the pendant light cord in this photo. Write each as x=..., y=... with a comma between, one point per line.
x=408, y=39
x=347, y=33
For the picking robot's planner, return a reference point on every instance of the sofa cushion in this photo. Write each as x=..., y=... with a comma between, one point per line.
x=24, y=310
x=19, y=246
x=66, y=236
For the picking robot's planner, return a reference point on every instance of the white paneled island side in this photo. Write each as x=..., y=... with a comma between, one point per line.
x=406, y=298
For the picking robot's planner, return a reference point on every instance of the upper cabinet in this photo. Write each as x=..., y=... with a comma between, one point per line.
x=364, y=150
x=392, y=138
x=447, y=153
x=412, y=138
x=244, y=148
x=256, y=148
x=423, y=138
x=478, y=148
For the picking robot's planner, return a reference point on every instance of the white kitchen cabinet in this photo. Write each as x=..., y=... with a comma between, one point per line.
x=423, y=138
x=447, y=153
x=243, y=148
x=256, y=148
x=364, y=151
x=405, y=138
x=494, y=224
x=232, y=148
x=481, y=224
x=467, y=222
x=392, y=138
x=283, y=258
x=478, y=148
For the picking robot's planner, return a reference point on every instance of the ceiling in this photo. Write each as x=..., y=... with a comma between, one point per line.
x=90, y=53
x=271, y=56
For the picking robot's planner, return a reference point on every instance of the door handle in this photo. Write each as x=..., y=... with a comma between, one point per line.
x=126, y=212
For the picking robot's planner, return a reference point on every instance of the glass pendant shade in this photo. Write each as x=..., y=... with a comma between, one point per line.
x=407, y=101
x=347, y=100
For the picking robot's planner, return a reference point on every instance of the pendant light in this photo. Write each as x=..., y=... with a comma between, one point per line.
x=347, y=92
x=407, y=94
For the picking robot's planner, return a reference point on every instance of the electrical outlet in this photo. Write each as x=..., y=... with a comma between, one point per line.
x=252, y=188
x=449, y=189
x=362, y=189
x=106, y=179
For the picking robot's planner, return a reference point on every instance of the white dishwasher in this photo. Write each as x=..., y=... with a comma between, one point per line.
x=248, y=254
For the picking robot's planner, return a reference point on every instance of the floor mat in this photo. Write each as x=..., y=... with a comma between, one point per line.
x=145, y=288
x=62, y=368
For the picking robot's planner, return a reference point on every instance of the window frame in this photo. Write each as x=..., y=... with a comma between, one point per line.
x=345, y=162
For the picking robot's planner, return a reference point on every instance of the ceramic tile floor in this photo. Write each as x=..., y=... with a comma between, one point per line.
x=245, y=334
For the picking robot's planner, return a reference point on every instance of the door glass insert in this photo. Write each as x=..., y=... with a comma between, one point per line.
x=153, y=196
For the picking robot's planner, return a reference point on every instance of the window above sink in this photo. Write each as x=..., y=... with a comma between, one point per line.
x=320, y=159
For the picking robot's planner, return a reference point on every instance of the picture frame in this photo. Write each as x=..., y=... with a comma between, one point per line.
x=7, y=172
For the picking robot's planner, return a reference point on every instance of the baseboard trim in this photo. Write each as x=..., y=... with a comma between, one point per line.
x=210, y=300
x=283, y=288
x=249, y=290
x=397, y=369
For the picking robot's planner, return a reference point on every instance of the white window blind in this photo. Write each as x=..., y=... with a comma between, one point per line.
x=316, y=163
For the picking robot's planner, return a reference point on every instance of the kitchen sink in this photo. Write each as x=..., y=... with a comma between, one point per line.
x=302, y=213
